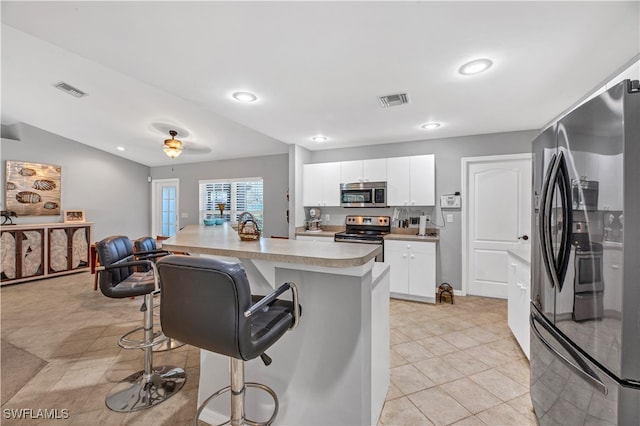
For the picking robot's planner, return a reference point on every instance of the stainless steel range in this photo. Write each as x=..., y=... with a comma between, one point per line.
x=365, y=230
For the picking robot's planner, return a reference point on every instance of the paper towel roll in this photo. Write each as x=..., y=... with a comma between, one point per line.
x=423, y=225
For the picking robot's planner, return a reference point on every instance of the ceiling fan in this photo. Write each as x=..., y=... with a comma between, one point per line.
x=175, y=147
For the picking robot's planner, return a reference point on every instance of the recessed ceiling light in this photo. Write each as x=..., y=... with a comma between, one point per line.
x=120, y=148
x=319, y=138
x=475, y=67
x=430, y=126
x=244, y=96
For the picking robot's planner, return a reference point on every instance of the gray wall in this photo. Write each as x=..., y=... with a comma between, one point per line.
x=113, y=192
x=274, y=170
x=448, y=154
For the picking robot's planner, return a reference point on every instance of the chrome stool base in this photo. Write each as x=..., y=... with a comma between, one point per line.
x=140, y=391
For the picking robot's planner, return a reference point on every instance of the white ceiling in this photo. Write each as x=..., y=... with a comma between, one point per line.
x=317, y=68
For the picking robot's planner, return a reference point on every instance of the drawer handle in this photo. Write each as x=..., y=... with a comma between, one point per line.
x=615, y=266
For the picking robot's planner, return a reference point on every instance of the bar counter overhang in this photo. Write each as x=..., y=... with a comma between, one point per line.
x=334, y=368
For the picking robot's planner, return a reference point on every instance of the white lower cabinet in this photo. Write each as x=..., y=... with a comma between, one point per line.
x=413, y=269
x=518, y=299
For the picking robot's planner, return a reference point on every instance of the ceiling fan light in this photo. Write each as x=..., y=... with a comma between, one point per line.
x=172, y=147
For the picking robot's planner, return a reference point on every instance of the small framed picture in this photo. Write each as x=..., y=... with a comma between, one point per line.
x=73, y=216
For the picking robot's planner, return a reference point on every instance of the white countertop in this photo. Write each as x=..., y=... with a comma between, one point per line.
x=223, y=240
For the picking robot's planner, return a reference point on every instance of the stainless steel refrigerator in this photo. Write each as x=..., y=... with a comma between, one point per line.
x=585, y=299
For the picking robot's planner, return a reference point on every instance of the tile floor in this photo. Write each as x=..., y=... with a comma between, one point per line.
x=450, y=364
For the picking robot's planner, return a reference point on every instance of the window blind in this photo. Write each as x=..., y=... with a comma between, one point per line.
x=238, y=195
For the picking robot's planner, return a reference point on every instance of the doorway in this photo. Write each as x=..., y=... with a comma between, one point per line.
x=164, y=210
x=496, y=218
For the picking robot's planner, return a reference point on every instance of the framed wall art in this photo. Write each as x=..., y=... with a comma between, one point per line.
x=74, y=216
x=32, y=189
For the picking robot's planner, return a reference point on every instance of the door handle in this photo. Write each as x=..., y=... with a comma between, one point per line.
x=567, y=217
x=524, y=237
x=582, y=369
x=544, y=221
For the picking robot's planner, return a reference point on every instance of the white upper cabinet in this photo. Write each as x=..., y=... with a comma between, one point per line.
x=321, y=184
x=374, y=170
x=398, y=176
x=411, y=181
x=363, y=171
x=422, y=180
x=351, y=171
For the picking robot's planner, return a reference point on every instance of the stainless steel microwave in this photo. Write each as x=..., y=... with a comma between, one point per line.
x=363, y=194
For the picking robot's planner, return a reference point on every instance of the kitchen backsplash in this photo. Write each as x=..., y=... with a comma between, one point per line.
x=337, y=215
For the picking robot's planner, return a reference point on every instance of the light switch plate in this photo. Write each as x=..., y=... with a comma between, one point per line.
x=449, y=218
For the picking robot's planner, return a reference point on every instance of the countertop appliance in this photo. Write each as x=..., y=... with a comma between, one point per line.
x=363, y=194
x=313, y=224
x=365, y=230
x=585, y=358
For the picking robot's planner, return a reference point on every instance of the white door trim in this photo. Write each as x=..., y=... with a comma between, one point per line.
x=466, y=163
x=154, y=200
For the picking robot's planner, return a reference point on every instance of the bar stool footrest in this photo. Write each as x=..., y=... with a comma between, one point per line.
x=125, y=343
x=246, y=421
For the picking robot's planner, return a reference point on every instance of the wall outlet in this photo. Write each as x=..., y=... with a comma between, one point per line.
x=449, y=218
x=428, y=216
x=327, y=217
x=184, y=215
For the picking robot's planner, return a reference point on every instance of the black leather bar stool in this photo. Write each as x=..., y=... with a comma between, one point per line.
x=207, y=303
x=146, y=249
x=118, y=280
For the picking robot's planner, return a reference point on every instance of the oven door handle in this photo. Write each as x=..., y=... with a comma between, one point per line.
x=357, y=241
x=582, y=369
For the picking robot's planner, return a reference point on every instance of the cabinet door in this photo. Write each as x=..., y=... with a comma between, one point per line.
x=22, y=254
x=398, y=181
x=312, y=185
x=396, y=255
x=79, y=248
x=331, y=184
x=351, y=171
x=374, y=170
x=422, y=269
x=422, y=180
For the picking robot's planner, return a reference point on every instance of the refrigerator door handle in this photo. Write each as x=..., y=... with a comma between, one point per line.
x=582, y=370
x=544, y=225
x=567, y=220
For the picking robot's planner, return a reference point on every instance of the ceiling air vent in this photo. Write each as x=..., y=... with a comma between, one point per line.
x=67, y=88
x=393, y=100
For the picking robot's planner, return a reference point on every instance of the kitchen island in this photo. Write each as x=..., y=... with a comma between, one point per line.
x=334, y=368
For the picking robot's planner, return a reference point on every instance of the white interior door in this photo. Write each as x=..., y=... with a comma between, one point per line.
x=164, y=210
x=496, y=217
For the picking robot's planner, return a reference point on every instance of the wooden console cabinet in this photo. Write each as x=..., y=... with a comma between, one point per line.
x=33, y=251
